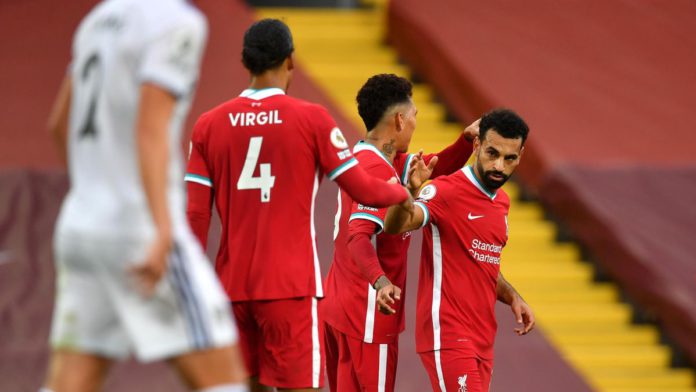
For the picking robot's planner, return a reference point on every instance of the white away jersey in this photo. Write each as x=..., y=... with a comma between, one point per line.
x=119, y=46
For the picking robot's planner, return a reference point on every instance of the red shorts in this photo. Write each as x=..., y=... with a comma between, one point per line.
x=353, y=365
x=282, y=341
x=455, y=370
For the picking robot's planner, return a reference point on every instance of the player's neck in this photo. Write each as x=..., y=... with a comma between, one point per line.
x=269, y=80
x=383, y=142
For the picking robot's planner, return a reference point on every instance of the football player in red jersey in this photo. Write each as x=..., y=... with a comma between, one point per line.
x=260, y=157
x=465, y=220
x=364, y=279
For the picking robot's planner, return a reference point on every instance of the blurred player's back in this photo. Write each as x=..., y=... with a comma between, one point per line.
x=109, y=64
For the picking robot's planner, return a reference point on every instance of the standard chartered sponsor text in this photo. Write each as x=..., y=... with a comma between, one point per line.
x=481, y=246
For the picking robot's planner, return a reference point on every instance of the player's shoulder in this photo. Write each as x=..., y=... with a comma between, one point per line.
x=203, y=122
x=165, y=15
x=306, y=107
x=370, y=157
x=450, y=180
x=440, y=185
x=224, y=107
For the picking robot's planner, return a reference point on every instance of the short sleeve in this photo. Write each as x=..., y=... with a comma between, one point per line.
x=432, y=201
x=197, y=168
x=372, y=214
x=335, y=157
x=172, y=58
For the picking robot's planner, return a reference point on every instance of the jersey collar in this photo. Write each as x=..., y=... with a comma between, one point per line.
x=258, y=95
x=469, y=173
x=363, y=146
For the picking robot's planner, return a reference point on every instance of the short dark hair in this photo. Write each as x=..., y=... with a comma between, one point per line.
x=504, y=121
x=380, y=93
x=267, y=43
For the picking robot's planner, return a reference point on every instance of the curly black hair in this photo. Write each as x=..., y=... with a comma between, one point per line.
x=379, y=94
x=267, y=43
x=504, y=121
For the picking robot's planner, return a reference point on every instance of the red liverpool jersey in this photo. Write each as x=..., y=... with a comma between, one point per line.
x=465, y=232
x=350, y=303
x=266, y=153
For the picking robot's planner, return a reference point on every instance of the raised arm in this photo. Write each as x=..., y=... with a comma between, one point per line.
x=523, y=313
x=455, y=156
x=371, y=191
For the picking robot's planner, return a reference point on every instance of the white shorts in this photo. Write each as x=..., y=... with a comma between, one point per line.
x=99, y=311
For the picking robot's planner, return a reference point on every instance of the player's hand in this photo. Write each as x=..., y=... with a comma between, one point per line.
x=523, y=315
x=387, y=295
x=472, y=131
x=419, y=172
x=148, y=273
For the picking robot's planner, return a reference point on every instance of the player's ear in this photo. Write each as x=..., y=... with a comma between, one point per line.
x=477, y=143
x=399, y=121
x=290, y=62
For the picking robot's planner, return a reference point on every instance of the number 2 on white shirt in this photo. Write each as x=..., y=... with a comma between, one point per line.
x=265, y=180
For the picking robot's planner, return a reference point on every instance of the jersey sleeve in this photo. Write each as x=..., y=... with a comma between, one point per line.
x=197, y=169
x=432, y=201
x=401, y=163
x=452, y=158
x=335, y=157
x=363, y=251
x=172, y=58
x=372, y=214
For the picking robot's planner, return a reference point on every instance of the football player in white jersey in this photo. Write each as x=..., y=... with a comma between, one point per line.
x=131, y=278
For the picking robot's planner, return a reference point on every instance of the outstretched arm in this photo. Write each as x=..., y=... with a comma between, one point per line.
x=523, y=313
x=404, y=217
x=368, y=190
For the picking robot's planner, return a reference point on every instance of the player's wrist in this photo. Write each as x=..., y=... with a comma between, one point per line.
x=413, y=189
x=381, y=283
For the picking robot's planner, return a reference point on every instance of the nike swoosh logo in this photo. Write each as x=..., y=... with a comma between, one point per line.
x=472, y=217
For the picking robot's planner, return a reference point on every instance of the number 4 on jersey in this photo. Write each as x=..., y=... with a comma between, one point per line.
x=265, y=180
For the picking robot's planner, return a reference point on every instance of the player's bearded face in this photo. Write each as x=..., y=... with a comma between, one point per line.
x=492, y=179
x=496, y=159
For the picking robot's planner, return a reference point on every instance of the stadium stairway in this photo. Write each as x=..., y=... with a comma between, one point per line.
x=584, y=320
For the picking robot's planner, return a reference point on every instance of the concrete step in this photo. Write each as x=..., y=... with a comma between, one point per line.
x=619, y=357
